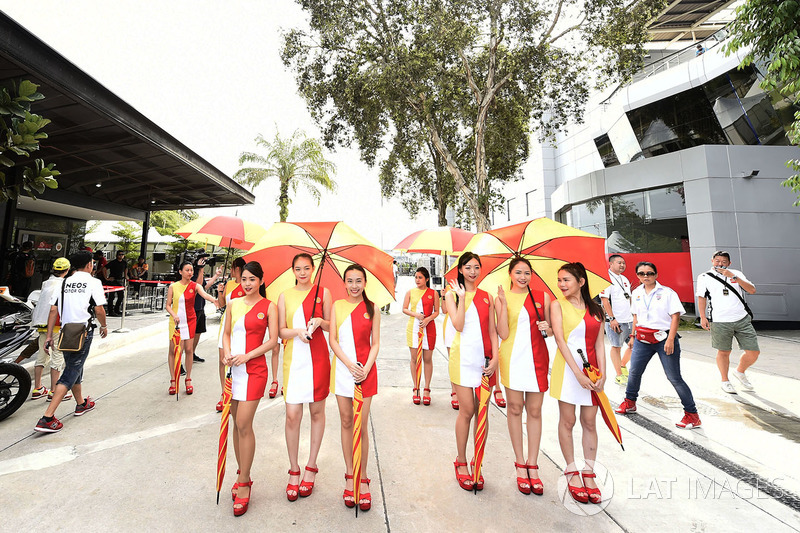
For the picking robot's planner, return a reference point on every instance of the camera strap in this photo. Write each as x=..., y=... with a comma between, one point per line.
x=735, y=291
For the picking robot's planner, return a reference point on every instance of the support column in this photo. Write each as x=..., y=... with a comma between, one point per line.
x=145, y=231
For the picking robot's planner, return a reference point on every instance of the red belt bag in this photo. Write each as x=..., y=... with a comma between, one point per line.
x=649, y=335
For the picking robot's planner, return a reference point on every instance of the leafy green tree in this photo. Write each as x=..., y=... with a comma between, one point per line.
x=130, y=235
x=771, y=30
x=20, y=133
x=295, y=161
x=469, y=76
x=167, y=222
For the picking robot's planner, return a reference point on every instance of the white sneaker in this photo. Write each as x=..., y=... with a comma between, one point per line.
x=727, y=386
x=746, y=385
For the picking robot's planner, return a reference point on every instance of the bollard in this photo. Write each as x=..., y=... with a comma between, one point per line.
x=122, y=328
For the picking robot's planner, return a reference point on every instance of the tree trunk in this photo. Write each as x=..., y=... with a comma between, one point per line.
x=283, y=200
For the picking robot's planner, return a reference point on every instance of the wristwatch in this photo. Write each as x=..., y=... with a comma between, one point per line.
x=734, y=278
x=610, y=318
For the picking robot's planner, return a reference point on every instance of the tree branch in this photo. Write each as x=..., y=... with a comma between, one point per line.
x=568, y=30
x=546, y=34
x=471, y=79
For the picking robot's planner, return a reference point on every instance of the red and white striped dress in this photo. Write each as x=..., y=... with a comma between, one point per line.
x=183, y=305
x=354, y=333
x=249, y=330
x=232, y=290
x=421, y=301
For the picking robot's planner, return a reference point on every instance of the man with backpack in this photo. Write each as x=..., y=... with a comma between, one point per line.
x=721, y=290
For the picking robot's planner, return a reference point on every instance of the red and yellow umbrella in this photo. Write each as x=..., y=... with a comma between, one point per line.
x=418, y=359
x=601, y=400
x=547, y=245
x=358, y=404
x=222, y=453
x=441, y=240
x=222, y=230
x=333, y=246
x=176, y=367
x=481, y=427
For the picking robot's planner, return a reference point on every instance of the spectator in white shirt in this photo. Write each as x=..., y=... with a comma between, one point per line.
x=616, y=300
x=721, y=289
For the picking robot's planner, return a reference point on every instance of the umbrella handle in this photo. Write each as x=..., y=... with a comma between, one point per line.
x=360, y=366
x=536, y=309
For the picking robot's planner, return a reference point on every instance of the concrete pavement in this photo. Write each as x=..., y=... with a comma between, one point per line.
x=144, y=462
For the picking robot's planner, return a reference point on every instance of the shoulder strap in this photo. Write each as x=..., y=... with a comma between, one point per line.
x=735, y=291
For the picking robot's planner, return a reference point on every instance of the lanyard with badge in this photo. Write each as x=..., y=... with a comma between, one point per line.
x=622, y=286
x=648, y=302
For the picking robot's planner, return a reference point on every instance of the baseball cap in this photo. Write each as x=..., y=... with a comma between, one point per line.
x=62, y=263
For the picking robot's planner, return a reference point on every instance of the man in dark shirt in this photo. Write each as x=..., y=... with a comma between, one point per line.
x=23, y=264
x=116, y=271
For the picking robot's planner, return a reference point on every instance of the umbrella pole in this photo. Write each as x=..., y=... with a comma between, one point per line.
x=319, y=280
x=538, y=316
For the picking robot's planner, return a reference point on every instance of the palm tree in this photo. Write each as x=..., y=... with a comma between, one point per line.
x=295, y=161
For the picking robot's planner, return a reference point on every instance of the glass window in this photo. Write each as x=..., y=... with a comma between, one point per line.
x=666, y=203
x=606, y=150
x=681, y=121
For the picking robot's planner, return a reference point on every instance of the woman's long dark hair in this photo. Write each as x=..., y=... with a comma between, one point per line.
x=239, y=263
x=465, y=258
x=367, y=301
x=254, y=267
x=579, y=271
x=426, y=274
x=302, y=256
x=518, y=259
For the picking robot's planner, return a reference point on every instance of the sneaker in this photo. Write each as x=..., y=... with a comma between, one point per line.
x=85, y=407
x=689, y=421
x=627, y=406
x=198, y=359
x=624, y=371
x=40, y=393
x=746, y=385
x=622, y=379
x=183, y=371
x=54, y=426
x=67, y=396
x=727, y=386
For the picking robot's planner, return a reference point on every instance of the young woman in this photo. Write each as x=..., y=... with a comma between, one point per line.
x=448, y=334
x=355, y=341
x=304, y=313
x=180, y=306
x=226, y=293
x=421, y=304
x=470, y=309
x=522, y=316
x=251, y=330
x=577, y=327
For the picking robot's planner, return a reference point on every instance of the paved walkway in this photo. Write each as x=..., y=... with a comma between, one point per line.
x=144, y=462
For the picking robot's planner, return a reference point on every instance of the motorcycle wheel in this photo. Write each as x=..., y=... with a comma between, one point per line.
x=15, y=384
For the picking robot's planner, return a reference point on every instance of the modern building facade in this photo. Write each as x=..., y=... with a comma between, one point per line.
x=686, y=159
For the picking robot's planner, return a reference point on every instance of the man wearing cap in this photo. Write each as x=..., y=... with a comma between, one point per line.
x=72, y=305
x=55, y=359
x=616, y=300
x=721, y=290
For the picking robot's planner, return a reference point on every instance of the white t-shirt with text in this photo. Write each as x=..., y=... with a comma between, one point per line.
x=620, y=306
x=79, y=289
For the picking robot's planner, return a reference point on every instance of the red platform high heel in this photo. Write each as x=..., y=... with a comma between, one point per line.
x=365, y=503
x=189, y=388
x=454, y=401
x=243, y=502
x=348, y=494
x=415, y=396
x=426, y=398
x=593, y=494
x=464, y=480
x=523, y=483
x=293, y=488
x=172, y=389
x=576, y=492
x=273, y=389
x=307, y=487
x=537, y=487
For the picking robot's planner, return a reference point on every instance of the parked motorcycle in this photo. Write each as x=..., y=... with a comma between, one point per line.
x=16, y=330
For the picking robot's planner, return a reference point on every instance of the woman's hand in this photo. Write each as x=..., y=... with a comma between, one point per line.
x=600, y=383
x=359, y=373
x=313, y=324
x=501, y=295
x=303, y=335
x=425, y=321
x=238, y=359
x=584, y=381
x=177, y=320
x=492, y=368
x=542, y=325
x=669, y=346
x=420, y=316
x=458, y=289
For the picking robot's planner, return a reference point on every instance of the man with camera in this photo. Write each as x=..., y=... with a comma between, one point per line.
x=200, y=304
x=73, y=304
x=721, y=290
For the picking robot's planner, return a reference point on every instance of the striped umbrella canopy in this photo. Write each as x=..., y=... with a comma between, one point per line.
x=222, y=230
x=333, y=246
x=176, y=368
x=547, y=244
x=601, y=400
x=222, y=451
x=441, y=240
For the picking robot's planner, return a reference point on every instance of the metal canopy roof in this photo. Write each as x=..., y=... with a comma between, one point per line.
x=97, y=138
x=683, y=20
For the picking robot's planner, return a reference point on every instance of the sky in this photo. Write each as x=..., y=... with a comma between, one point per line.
x=210, y=74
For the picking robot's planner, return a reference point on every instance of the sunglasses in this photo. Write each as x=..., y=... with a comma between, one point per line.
x=645, y=274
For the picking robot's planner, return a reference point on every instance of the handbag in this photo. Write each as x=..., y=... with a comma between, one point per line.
x=649, y=335
x=73, y=335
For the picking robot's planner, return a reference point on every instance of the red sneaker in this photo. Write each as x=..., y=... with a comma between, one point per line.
x=689, y=421
x=627, y=406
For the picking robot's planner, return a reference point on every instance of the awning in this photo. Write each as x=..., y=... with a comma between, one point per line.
x=105, y=149
x=688, y=20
